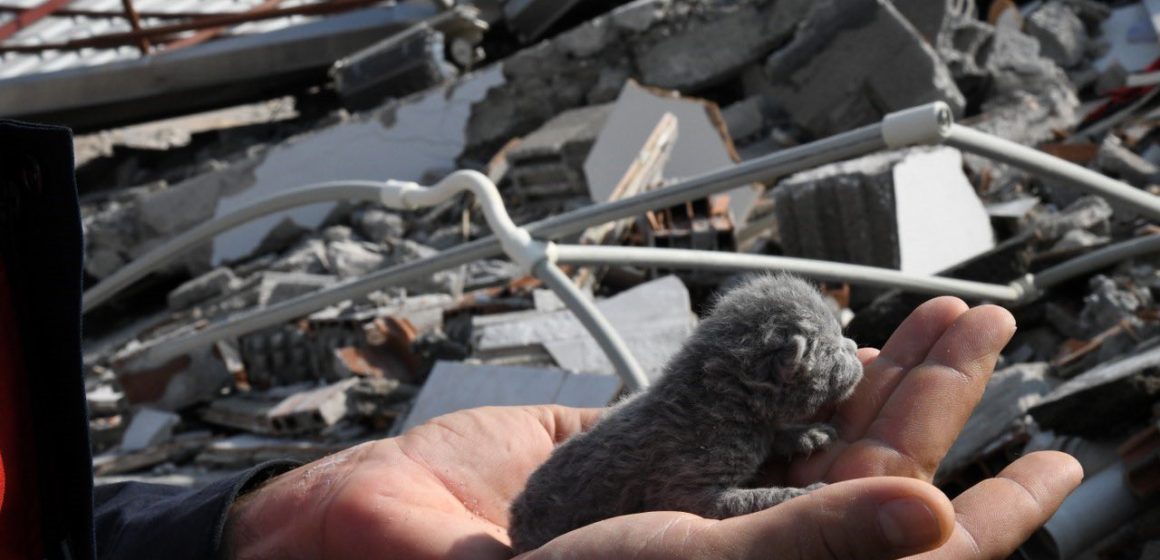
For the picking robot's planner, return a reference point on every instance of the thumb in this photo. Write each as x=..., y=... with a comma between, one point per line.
x=872, y=518
x=882, y=517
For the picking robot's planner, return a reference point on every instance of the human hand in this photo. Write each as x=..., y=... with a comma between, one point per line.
x=442, y=490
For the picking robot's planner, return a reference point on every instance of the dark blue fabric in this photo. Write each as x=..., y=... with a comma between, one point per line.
x=41, y=247
x=135, y=520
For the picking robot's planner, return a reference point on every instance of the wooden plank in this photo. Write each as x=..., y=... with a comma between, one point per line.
x=644, y=173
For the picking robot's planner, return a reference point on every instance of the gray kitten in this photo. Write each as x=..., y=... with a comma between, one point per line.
x=741, y=390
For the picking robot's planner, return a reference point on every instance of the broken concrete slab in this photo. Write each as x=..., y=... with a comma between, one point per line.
x=702, y=143
x=1113, y=158
x=149, y=427
x=1110, y=399
x=549, y=78
x=457, y=386
x=404, y=63
x=852, y=62
x=888, y=210
x=352, y=149
x=697, y=57
x=173, y=384
x=654, y=319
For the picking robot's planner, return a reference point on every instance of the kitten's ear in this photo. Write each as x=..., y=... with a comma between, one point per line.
x=789, y=363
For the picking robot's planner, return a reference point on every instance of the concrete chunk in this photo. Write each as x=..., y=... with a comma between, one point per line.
x=1060, y=32
x=149, y=427
x=853, y=61
x=214, y=283
x=456, y=386
x=654, y=319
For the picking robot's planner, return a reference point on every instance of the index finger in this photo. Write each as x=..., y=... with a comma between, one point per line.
x=927, y=410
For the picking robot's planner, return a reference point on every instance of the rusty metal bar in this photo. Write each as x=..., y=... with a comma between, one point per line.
x=30, y=16
x=164, y=31
x=213, y=32
x=135, y=23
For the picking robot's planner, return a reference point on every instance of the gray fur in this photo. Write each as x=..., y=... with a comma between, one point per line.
x=742, y=390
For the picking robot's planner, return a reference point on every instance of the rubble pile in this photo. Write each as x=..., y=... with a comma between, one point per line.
x=562, y=113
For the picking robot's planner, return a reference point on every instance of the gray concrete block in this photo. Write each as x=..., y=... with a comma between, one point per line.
x=912, y=210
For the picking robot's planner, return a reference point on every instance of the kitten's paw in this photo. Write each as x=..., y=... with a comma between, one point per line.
x=815, y=437
x=815, y=486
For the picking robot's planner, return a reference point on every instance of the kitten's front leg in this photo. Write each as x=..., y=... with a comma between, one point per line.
x=791, y=441
x=743, y=501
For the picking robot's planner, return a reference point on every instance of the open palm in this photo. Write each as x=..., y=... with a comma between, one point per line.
x=442, y=490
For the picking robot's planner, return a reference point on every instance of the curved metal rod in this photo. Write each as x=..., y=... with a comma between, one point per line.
x=586, y=255
x=1046, y=165
x=533, y=256
x=178, y=246
x=852, y=144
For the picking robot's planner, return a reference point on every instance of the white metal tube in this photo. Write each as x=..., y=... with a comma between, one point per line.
x=178, y=246
x=534, y=256
x=1096, y=260
x=855, y=143
x=1048, y=166
x=597, y=325
x=586, y=255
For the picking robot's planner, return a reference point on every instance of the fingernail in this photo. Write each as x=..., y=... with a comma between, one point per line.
x=908, y=523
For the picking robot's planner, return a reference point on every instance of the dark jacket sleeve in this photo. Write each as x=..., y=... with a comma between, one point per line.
x=137, y=520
